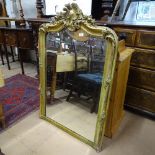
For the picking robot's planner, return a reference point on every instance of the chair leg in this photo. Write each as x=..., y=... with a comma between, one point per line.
x=93, y=107
x=12, y=53
x=65, y=81
x=79, y=94
x=96, y=98
x=1, y=53
x=70, y=94
x=7, y=57
x=21, y=60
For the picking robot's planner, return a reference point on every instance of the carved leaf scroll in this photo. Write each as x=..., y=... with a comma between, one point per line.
x=72, y=16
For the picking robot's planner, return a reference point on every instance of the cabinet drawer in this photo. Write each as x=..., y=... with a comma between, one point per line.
x=130, y=34
x=10, y=38
x=143, y=58
x=140, y=98
x=25, y=39
x=142, y=78
x=146, y=39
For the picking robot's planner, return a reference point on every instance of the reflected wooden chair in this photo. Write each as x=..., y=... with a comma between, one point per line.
x=87, y=81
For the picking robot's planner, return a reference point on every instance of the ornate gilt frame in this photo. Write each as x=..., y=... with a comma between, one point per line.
x=73, y=19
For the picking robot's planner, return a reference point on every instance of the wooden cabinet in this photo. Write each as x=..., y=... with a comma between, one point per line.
x=140, y=95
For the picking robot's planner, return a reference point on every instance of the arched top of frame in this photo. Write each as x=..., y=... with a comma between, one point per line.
x=73, y=19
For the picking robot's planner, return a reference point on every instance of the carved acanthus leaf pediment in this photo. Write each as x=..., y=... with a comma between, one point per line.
x=72, y=16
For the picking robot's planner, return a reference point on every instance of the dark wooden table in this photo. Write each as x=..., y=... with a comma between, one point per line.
x=19, y=37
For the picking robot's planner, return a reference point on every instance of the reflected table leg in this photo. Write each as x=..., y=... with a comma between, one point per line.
x=53, y=86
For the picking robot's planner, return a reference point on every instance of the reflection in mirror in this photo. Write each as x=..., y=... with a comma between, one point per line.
x=74, y=70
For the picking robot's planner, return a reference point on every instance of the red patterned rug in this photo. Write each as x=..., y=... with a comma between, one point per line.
x=20, y=96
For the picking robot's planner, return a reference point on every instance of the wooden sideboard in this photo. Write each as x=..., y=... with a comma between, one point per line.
x=140, y=95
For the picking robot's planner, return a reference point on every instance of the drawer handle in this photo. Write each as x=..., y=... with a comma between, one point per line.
x=122, y=36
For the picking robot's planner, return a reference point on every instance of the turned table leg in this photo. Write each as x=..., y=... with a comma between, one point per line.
x=53, y=86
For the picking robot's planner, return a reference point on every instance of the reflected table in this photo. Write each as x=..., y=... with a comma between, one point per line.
x=59, y=63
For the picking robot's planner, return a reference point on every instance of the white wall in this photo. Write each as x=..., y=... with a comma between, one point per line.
x=85, y=5
x=29, y=8
x=30, y=11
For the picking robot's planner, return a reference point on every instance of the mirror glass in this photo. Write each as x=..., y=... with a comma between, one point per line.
x=74, y=69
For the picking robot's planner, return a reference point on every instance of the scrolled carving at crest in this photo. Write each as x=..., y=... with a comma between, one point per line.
x=72, y=16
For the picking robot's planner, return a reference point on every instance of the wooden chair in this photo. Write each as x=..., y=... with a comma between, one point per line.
x=87, y=80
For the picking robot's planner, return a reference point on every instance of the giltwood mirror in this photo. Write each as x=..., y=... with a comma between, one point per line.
x=77, y=62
